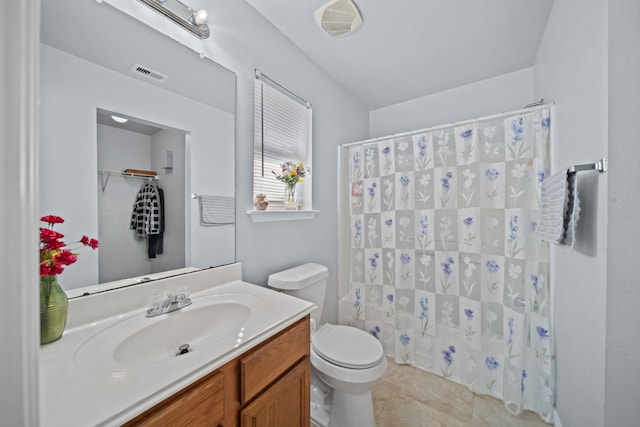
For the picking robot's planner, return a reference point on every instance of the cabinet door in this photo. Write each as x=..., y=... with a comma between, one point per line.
x=263, y=365
x=284, y=404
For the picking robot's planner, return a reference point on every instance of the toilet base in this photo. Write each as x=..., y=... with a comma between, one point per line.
x=319, y=415
x=320, y=402
x=351, y=403
x=352, y=409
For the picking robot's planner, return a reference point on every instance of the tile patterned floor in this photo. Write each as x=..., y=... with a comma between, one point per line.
x=410, y=397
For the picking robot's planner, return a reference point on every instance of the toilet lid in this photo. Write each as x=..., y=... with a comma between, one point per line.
x=347, y=346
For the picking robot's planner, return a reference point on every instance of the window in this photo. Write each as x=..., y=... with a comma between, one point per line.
x=282, y=133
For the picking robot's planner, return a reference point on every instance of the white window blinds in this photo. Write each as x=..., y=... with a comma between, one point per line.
x=282, y=132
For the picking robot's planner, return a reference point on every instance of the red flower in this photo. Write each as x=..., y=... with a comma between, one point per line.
x=52, y=219
x=65, y=257
x=54, y=254
x=93, y=243
x=52, y=246
x=50, y=268
x=55, y=269
x=47, y=235
x=45, y=269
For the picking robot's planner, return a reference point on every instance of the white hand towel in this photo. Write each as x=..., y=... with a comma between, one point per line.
x=560, y=209
x=216, y=210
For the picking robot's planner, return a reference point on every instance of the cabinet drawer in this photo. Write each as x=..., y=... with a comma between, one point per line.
x=264, y=364
x=201, y=404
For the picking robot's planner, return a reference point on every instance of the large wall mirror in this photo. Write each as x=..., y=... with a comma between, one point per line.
x=98, y=62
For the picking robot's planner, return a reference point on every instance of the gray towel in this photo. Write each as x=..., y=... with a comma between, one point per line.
x=216, y=210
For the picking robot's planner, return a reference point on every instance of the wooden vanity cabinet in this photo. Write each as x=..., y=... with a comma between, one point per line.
x=268, y=386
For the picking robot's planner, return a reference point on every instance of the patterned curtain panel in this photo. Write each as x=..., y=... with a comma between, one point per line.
x=444, y=268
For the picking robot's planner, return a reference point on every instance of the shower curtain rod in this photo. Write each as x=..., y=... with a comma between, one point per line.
x=463, y=122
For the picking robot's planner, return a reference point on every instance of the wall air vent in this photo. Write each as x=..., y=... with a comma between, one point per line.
x=141, y=70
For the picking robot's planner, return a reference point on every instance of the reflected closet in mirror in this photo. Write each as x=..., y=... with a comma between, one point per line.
x=141, y=197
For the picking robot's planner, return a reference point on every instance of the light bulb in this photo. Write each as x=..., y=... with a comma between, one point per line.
x=119, y=119
x=200, y=17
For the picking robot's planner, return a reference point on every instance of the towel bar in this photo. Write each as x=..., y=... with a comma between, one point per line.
x=600, y=166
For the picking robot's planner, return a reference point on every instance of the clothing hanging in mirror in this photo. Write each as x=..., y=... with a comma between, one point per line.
x=148, y=217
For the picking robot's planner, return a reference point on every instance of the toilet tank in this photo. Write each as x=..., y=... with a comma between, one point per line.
x=306, y=281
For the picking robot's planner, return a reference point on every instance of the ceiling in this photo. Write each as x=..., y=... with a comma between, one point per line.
x=411, y=48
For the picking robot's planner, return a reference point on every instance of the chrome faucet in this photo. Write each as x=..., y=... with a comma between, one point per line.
x=169, y=304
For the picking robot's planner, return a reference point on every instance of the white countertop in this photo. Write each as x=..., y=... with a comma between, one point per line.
x=107, y=393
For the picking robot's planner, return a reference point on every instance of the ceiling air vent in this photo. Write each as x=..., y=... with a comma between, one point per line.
x=149, y=73
x=338, y=17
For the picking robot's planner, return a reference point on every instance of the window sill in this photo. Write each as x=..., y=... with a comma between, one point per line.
x=283, y=215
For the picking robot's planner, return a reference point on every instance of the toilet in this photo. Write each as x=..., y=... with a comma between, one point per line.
x=346, y=362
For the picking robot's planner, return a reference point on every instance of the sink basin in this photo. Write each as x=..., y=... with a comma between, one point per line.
x=142, y=340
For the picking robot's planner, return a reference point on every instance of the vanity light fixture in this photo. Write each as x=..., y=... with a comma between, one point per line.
x=200, y=17
x=338, y=17
x=194, y=21
x=119, y=119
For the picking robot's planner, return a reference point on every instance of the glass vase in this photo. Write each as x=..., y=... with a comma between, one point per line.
x=53, y=309
x=290, y=203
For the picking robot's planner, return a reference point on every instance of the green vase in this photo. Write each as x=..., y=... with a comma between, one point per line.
x=53, y=309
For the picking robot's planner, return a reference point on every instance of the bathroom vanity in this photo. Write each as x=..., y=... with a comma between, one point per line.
x=248, y=363
x=266, y=386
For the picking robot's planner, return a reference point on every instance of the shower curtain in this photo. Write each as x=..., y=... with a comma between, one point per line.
x=444, y=268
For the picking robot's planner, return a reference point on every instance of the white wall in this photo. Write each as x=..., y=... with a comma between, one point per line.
x=172, y=182
x=571, y=70
x=71, y=90
x=622, y=372
x=121, y=254
x=507, y=92
x=243, y=41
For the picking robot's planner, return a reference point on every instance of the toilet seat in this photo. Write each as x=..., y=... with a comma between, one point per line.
x=347, y=346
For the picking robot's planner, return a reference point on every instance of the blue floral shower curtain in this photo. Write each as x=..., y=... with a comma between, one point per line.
x=444, y=268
